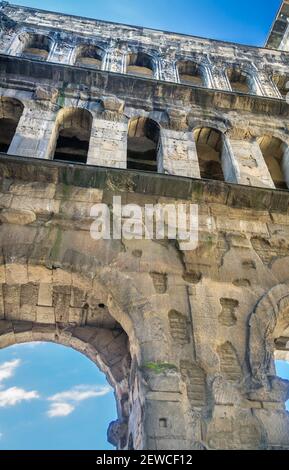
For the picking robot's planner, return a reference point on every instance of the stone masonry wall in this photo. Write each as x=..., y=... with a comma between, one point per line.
x=198, y=376
x=186, y=338
x=166, y=49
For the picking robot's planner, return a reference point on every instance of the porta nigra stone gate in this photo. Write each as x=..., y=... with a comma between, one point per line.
x=90, y=110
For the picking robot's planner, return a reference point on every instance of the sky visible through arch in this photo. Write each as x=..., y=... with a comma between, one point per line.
x=52, y=397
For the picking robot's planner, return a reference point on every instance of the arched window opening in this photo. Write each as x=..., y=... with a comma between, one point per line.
x=210, y=145
x=73, y=129
x=89, y=56
x=140, y=64
x=36, y=46
x=190, y=73
x=143, y=144
x=10, y=114
x=282, y=83
x=273, y=150
x=240, y=81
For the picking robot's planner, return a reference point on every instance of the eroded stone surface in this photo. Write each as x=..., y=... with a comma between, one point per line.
x=186, y=338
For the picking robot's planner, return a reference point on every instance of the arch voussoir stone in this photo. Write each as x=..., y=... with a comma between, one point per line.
x=262, y=324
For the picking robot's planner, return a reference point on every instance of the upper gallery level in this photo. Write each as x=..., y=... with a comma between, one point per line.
x=83, y=91
x=172, y=57
x=279, y=34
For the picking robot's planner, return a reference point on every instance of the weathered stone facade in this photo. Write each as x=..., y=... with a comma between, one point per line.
x=186, y=338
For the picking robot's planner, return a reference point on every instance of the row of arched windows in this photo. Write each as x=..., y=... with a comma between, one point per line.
x=71, y=139
x=37, y=46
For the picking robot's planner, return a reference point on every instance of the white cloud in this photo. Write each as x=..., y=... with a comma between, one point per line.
x=7, y=369
x=64, y=403
x=30, y=345
x=14, y=395
x=57, y=410
x=80, y=393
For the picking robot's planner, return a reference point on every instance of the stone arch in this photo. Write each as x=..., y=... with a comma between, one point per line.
x=40, y=304
x=35, y=45
x=241, y=79
x=90, y=342
x=71, y=136
x=141, y=63
x=268, y=323
x=191, y=73
x=89, y=55
x=143, y=144
x=11, y=110
x=276, y=155
x=210, y=146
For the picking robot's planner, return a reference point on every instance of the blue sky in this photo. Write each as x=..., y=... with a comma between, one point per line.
x=52, y=397
x=246, y=22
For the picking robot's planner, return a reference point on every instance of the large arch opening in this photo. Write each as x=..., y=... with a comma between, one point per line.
x=190, y=73
x=89, y=56
x=210, y=147
x=10, y=113
x=269, y=338
x=140, y=64
x=36, y=46
x=274, y=152
x=143, y=144
x=240, y=81
x=55, y=397
x=73, y=130
x=58, y=308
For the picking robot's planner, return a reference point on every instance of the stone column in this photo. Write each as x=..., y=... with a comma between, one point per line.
x=268, y=87
x=285, y=163
x=208, y=77
x=168, y=71
x=61, y=52
x=33, y=134
x=108, y=144
x=229, y=163
x=114, y=61
x=219, y=79
x=178, y=154
x=252, y=166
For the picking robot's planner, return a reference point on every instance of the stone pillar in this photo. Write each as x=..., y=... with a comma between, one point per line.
x=268, y=87
x=164, y=420
x=178, y=154
x=229, y=163
x=61, y=52
x=168, y=71
x=108, y=144
x=114, y=61
x=208, y=77
x=252, y=166
x=285, y=164
x=161, y=389
x=33, y=134
x=219, y=79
